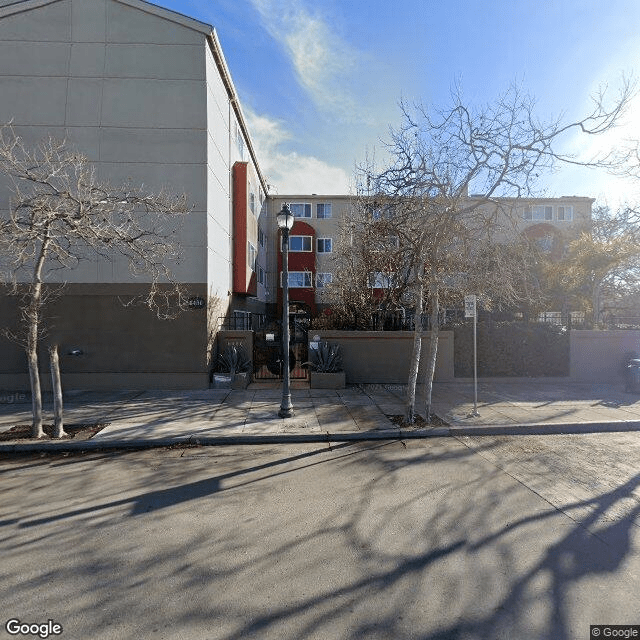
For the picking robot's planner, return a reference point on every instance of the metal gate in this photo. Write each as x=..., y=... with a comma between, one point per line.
x=267, y=348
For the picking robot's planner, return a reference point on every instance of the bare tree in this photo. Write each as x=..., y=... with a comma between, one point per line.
x=440, y=156
x=59, y=215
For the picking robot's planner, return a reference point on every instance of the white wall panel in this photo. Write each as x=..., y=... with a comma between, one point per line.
x=50, y=23
x=126, y=24
x=40, y=101
x=173, y=146
x=34, y=58
x=154, y=103
x=183, y=62
x=87, y=59
x=89, y=20
x=176, y=178
x=83, y=105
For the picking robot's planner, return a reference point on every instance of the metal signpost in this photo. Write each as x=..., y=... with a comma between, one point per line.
x=471, y=312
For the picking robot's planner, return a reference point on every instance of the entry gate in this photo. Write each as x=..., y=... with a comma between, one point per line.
x=267, y=349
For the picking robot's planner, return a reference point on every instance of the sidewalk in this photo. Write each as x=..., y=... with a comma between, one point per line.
x=221, y=416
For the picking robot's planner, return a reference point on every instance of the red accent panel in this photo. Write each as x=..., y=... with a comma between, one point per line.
x=240, y=227
x=300, y=261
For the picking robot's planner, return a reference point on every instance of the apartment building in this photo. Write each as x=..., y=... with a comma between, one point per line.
x=551, y=222
x=145, y=93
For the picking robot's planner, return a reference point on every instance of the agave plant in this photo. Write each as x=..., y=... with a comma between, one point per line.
x=234, y=360
x=326, y=358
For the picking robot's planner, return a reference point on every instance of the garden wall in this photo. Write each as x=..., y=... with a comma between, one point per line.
x=598, y=356
x=382, y=357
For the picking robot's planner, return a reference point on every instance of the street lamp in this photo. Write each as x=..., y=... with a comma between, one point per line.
x=285, y=222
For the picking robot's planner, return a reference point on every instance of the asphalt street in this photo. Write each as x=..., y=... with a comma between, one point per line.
x=524, y=537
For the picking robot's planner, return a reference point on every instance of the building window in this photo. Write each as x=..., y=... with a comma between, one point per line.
x=385, y=244
x=300, y=243
x=300, y=209
x=551, y=317
x=545, y=243
x=324, y=245
x=252, y=203
x=251, y=256
x=260, y=237
x=538, y=212
x=260, y=275
x=241, y=321
x=564, y=213
x=323, y=279
x=380, y=280
x=298, y=279
x=323, y=210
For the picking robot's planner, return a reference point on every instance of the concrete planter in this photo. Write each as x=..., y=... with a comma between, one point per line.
x=240, y=380
x=336, y=380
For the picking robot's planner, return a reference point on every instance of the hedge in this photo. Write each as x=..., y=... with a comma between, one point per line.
x=511, y=349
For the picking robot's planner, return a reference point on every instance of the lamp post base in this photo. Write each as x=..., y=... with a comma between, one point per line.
x=286, y=408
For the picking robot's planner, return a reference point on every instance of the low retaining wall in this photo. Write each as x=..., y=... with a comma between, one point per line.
x=598, y=356
x=382, y=357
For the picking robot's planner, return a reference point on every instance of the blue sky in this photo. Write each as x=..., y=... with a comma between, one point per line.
x=320, y=81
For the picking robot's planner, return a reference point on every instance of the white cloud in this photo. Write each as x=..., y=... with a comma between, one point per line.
x=290, y=172
x=323, y=62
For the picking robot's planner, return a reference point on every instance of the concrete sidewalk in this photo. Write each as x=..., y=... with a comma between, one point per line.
x=216, y=416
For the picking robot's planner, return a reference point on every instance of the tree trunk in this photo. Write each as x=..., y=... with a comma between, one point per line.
x=410, y=411
x=433, y=350
x=56, y=385
x=33, y=318
x=36, y=392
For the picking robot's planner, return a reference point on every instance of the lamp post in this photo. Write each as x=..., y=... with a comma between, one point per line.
x=285, y=222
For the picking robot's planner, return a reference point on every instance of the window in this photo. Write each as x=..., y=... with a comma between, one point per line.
x=379, y=280
x=252, y=203
x=323, y=279
x=260, y=275
x=324, y=245
x=241, y=321
x=564, y=213
x=251, y=256
x=551, y=317
x=298, y=279
x=385, y=244
x=300, y=243
x=260, y=237
x=545, y=243
x=538, y=212
x=323, y=210
x=300, y=210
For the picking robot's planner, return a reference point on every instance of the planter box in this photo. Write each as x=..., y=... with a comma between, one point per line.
x=240, y=380
x=335, y=380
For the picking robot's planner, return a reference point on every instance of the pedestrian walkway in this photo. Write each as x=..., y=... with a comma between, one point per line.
x=213, y=416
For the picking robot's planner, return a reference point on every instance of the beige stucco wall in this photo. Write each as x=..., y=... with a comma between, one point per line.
x=598, y=356
x=371, y=357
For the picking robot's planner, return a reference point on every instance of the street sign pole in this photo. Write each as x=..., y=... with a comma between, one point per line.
x=470, y=311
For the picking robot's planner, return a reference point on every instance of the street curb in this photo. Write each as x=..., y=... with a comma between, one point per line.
x=283, y=438
x=293, y=438
x=543, y=428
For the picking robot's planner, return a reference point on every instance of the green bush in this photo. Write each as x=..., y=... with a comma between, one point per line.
x=511, y=349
